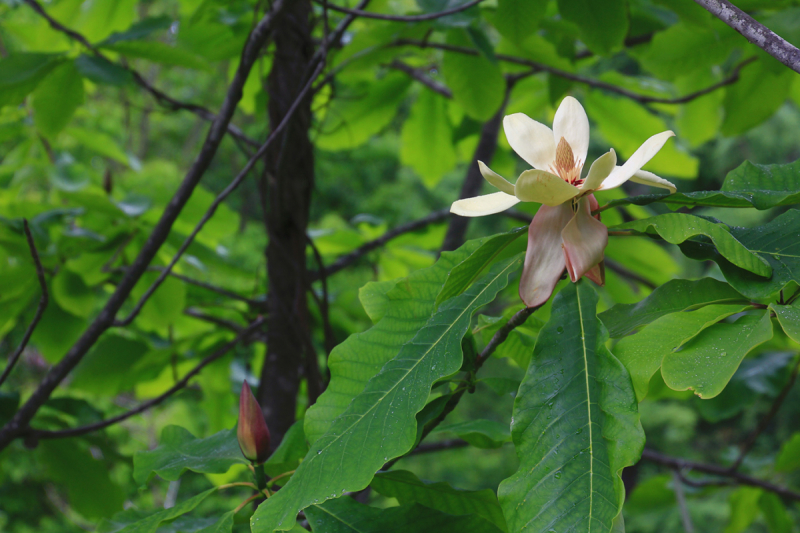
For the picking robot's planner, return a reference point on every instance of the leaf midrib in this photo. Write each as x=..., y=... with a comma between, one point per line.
x=588, y=407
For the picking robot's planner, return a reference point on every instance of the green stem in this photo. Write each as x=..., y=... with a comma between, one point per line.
x=261, y=477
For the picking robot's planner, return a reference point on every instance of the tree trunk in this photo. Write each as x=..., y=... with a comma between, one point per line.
x=286, y=188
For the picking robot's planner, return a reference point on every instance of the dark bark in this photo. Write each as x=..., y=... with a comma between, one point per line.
x=286, y=188
x=487, y=144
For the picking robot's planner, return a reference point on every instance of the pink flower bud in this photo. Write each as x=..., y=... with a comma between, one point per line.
x=253, y=433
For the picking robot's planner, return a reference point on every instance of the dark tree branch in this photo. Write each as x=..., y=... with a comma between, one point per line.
x=442, y=445
x=161, y=97
x=211, y=319
x=598, y=84
x=741, y=479
x=754, y=32
x=629, y=274
x=105, y=319
x=324, y=301
x=400, y=18
x=680, y=498
x=348, y=259
x=43, y=299
x=748, y=444
x=32, y=435
x=256, y=304
x=421, y=77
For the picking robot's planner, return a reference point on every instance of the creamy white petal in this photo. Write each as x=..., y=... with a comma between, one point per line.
x=645, y=153
x=532, y=140
x=600, y=170
x=648, y=178
x=496, y=179
x=544, y=188
x=544, y=259
x=488, y=204
x=572, y=123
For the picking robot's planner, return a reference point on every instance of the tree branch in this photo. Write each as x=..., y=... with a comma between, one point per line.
x=160, y=97
x=43, y=300
x=32, y=435
x=442, y=445
x=348, y=259
x=421, y=77
x=741, y=479
x=400, y=18
x=323, y=302
x=105, y=319
x=629, y=274
x=256, y=304
x=754, y=32
x=680, y=498
x=598, y=84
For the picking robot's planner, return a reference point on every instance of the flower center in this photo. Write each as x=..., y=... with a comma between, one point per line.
x=565, y=166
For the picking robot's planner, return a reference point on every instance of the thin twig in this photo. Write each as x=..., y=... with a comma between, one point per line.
x=161, y=97
x=324, y=302
x=348, y=259
x=629, y=274
x=748, y=444
x=33, y=434
x=421, y=77
x=741, y=479
x=641, y=98
x=401, y=18
x=257, y=304
x=681, y=499
x=105, y=319
x=211, y=319
x=754, y=32
x=501, y=335
x=442, y=445
x=43, y=300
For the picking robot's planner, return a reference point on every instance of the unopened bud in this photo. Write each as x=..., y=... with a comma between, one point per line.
x=253, y=433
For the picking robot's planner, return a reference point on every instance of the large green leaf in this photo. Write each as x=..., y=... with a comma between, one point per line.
x=159, y=52
x=408, y=489
x=106, y=369
x=643, y=352
x=789, y=457
x=100, y=70
x=789, y=319
x=603, y=24
x=676, y=228
x=707, y=362
x=179, y=451
x=345, y=515
x=379, y=424
x=775, y=513
x=773, y=242
x=671, y=297
x=758, y=93
x=477, y=83
x=21, y=73
x=466, y=272
x=517, y=19
x=480, y=433
x=673, y=52
x=355, y=361
x=56, y=99
x=575, y=426
x=290, y=451
x=748, y=185
x=135, y=521
x=427, y=139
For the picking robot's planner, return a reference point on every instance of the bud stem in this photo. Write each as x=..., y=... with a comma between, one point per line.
x=261, y=477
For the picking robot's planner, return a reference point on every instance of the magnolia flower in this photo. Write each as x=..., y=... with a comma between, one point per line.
x=563, y=234
x=253, y=433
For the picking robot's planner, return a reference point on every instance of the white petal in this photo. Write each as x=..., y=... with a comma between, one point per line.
x=648, y=178
x=601, y=168
x=496, y=179
x=572, y=123
x=532, y=140
x=640, y=157
x=544, y=188
x=544, y=259
x=488, y=204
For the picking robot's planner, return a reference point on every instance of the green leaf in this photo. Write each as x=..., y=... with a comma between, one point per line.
x=408, y=489
x=290, y=451
x=771, y=242
x=427, y=139
x=775, y=513
x=789, y=457
x=477, y=83
x=20, y=73
x=466, y=272
x=671, y=297
x=603, y=24
x=72, y=294
x=379, y=423
x=643, y=352
x=102, y=71
x=140, y=30
x=517, y=19
x=165, y=305
x=361, y=111
x=757, y=94
x=56, y=332
x=673, y=52
x=179, y=451
x=373, y=297
x=56, y=99
x=159, y=52
x=89, y=488
x=744, y=509
x=501, y=386
x=361, y=356
x=708, y=361
x=345, y=515
x=99, y=142
x=676, y=228
x=486, y=434
x=105, y=371
x=575, y=426
x=135, y=521
x=789, y=319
